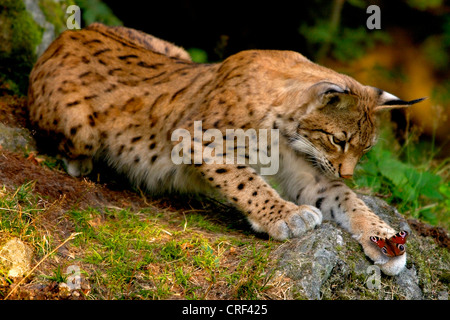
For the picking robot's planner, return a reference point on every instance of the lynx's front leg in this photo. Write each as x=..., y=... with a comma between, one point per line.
x=265, y=209
x=364, y=224
x=337, y=202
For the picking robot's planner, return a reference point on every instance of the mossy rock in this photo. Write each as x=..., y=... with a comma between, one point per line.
x=27, y=27
x=327, y=263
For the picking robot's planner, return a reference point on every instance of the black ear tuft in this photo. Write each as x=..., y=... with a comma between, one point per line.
x=402, y=102
x=387, y=101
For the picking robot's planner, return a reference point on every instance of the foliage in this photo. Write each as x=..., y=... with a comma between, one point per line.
x=425, y=4
x=198, y=55
x=414, y=186
x=58, y=275
x=347, y=44
x=97, y=11
x=327, y=35
x=334, y=31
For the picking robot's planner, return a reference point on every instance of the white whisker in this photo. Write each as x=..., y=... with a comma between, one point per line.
x=312, y=154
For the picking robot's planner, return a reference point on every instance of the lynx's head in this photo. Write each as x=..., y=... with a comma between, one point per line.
x=340, y=125
x=329, y=117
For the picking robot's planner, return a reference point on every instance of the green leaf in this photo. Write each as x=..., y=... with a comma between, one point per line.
x=198, y=55
x=393, y=170
x=428, y=185
x=445, y=189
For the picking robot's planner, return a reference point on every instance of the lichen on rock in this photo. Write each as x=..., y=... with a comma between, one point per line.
x=15, y=258
x=327, y=263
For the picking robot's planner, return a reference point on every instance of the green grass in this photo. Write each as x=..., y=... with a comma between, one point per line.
x=57, y=275
x=17, y=212
x=133, y=256
x=129, y=254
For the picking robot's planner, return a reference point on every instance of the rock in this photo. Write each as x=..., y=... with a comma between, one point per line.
x=16, y=139
x=309, y=260
x=64, y=290
x=15, y=258
x=408, y=282
x=48, y=33
x=327, y=263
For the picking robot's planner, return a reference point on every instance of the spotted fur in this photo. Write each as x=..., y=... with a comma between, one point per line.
x=119, y=94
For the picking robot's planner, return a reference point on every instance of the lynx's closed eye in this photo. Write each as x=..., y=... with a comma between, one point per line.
x=338, y=142
x=366, y=149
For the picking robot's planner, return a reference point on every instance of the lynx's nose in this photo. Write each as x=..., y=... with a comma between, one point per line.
x=347, y=167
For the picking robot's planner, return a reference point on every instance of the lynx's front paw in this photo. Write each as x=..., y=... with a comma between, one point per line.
x=390, y=265
x=296, y=223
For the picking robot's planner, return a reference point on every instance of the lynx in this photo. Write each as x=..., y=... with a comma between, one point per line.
x=118, y=94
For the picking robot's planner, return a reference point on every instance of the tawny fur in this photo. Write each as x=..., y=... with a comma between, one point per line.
x=119, y=94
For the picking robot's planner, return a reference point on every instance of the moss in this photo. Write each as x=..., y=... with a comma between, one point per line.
x=16, y=5
x=19, y=37
x=55, y=13
x=432, y=264
x=445, y=277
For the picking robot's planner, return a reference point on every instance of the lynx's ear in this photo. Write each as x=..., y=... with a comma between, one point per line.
x=331, y=94
x=387, y=101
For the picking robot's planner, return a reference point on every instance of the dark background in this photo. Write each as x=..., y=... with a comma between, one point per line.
x=222, y=28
